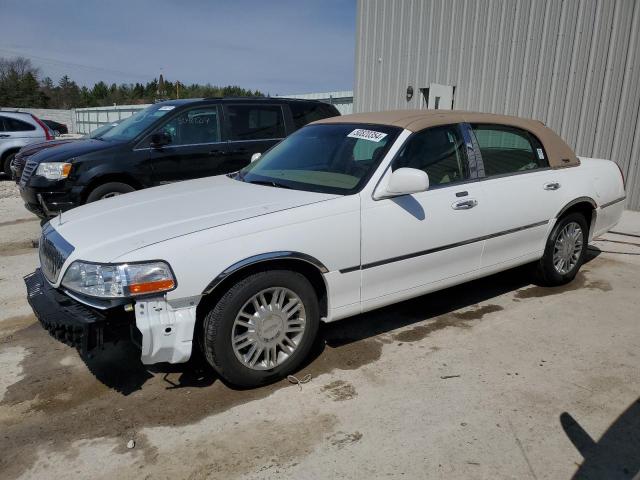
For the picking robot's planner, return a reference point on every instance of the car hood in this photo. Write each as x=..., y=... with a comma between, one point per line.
x=105, y=230
x=68, y=150
x=32, y=148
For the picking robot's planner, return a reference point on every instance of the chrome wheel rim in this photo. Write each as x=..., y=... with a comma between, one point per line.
x=109, y=195
x=268, y=328
x=567, y=248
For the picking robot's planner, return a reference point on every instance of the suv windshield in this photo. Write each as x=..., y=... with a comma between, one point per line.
x=132, y=126
x=327, y=158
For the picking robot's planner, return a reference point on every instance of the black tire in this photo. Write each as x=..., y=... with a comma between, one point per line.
x=109, y=189
x=218, y=325
x=546, y=273
x=6, y=164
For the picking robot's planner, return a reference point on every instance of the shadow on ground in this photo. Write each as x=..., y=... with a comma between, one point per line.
x=616, y=455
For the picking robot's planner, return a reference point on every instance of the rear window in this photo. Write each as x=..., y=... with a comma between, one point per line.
x=304, y=113
x=13, y=125
x=507, y=150
x=255, y=122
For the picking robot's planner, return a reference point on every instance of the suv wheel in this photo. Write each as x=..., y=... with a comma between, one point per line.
x=262, y=328
x=565, y=251
x=6, y=165
x=108, y=190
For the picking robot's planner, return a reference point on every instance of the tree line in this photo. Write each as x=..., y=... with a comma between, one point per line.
x=22, y=86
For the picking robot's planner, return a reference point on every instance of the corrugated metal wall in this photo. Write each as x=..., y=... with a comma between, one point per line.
x=574, y=64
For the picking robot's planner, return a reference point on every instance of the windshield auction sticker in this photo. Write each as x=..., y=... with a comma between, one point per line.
x=371, y=135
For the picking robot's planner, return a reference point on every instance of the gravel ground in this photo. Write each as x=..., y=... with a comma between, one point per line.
x=492, y=379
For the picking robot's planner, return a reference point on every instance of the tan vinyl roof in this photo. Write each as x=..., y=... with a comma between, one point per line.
x=558, y=152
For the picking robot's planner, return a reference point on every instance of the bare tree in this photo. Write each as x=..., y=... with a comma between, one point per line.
x=18, y=66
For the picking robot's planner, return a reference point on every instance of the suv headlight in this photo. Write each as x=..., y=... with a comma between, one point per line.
x=53, y=170
x=118, y=280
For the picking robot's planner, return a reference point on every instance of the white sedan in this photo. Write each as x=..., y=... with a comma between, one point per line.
x=346, y=215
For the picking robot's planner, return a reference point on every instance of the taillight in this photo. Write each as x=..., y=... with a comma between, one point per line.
x=47, y=133
x=622, y=175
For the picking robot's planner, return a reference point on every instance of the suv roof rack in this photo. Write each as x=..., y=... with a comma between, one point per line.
x=265, y=99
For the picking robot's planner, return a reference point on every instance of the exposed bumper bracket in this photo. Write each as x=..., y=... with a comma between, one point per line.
x=167, y=333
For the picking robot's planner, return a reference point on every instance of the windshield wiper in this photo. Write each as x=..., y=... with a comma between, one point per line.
x=268, y=183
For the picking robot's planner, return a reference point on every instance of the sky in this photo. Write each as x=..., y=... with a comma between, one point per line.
x=276, y=46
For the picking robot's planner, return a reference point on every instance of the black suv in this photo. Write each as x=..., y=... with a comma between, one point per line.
x=166, y=142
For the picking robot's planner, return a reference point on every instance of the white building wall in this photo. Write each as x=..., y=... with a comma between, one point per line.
x=573, y=64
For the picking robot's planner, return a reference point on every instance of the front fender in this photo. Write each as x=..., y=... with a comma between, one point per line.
x=262, y=258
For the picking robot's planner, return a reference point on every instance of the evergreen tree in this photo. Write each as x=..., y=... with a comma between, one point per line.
x=20, y=87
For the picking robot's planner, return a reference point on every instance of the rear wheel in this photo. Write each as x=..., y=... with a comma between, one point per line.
x=565, y=251
x=6, y=164
x=262, y=328
x=108, y=190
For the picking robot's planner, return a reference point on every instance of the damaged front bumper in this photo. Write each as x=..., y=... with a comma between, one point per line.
x=164, y=332
x=72, y=322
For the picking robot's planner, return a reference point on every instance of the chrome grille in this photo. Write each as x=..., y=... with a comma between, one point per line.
x=19, y=161
x=29, y=169
x=54, y=251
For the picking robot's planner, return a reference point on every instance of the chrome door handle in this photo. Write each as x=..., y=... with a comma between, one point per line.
x=551, y=186
x=464, y=204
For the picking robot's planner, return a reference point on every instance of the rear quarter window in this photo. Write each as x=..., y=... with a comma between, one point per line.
x=14, y=125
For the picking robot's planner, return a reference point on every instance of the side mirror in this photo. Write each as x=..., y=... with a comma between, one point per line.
x=403, y=181
x=160, y=139
x=255, y=157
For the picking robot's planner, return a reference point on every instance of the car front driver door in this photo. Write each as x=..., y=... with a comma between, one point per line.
x=195, y=149
x=412, y=244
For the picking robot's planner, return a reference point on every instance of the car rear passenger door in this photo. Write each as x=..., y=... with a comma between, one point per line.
x=412, y=243
x=522, y=194
x=196, y=148
x=251, y=128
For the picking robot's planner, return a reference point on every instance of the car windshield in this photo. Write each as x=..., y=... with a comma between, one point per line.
x=134, y=125
x=327, y=158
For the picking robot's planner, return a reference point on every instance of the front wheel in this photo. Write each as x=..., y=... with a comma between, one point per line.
x=6, y=167
x=262, y=328
x=108, y=190
x=565, y=251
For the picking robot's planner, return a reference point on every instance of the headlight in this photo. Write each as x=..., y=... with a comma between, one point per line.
x=53, y=170
x=118, y=280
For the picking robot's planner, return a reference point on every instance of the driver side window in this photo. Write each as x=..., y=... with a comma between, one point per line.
x=439, y=151
x=193, y=127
